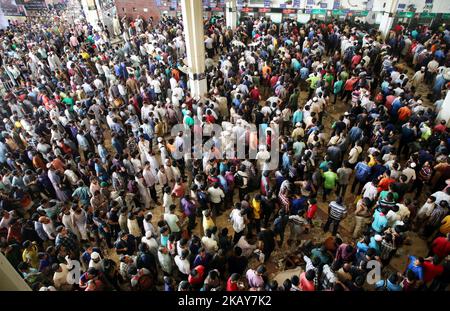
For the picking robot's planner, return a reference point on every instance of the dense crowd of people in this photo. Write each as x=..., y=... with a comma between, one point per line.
x=88, y=172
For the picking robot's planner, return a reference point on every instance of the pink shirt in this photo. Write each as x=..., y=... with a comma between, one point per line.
x=73, y=41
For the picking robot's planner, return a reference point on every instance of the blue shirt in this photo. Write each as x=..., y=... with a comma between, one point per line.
x=418, y=270
x=379, y=222
x=298, y=204
x=373, y=244
x=390, y=287
x=304, y=73
x=297, y=117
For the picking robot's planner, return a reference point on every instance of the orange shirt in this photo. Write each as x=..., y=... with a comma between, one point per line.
x=38, y=162
x=404, y=113
x=266, y=70
x=176, y=74
x=58, y=164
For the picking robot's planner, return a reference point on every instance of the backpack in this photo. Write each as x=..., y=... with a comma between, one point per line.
x=238, y=180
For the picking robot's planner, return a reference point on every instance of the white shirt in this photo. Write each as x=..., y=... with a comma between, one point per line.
x=410, y=174
x=172, y=220
x=183, y=265
x=441, y=196
x=237, y=220
x=370, y=191
x=210, y=244
x=216, y=194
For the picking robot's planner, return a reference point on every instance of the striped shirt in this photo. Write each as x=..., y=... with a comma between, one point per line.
x=337, y=211
x=386, y=249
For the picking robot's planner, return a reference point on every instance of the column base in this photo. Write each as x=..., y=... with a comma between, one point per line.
x=198, y=87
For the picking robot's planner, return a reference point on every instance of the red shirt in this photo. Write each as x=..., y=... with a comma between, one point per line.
x=306, y=285
x=273, y=81
x=441, y=247
x=199, y=279
x=430, y=271
x=384, y=183
x=389, y=100
x=210, y=118
x=350, y=83
x=440, y=128
x=231, y=287
x=254, y=94
x=311, y=211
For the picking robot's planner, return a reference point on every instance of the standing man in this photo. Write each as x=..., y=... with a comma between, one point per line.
x=336, y=212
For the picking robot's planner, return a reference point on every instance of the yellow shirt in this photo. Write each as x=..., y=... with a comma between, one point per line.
x=31, y=256
x=84, y=55
x=208, y=223
x=372, y=161
x=256, y=206
x=445, y=227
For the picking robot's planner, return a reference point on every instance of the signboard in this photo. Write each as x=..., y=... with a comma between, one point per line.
x=283, y=5
x=405, y=14
x=267, y=3
x=289, y=11
x=11, y=9
x=318, y=11
x=32, y=4
x=427, y=15
x=239, y=3
x=264, y=10
x=339, y=12
x=296, y=4
x=336, y=4
x=173, y=5
x=361, y=13
x=247, y=10
x=323, y=5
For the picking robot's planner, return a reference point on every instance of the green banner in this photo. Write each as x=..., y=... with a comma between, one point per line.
x=427, y=15
x=339, y=12
x=361, y=13
x=319, y=11
x=405, y=14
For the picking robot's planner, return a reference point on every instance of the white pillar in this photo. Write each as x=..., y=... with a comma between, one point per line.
x=192, y=11
x=10, y=280
x=444, y=113
x=388, y=18
x=231, y=14
x=90, y=13
x=3, y=21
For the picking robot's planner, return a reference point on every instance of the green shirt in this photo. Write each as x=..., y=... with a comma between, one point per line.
x=68, y=101
x=337, y=88
x=329, y=78
x=344, y=76
x=383, y=195
x=313, y=80
x=330, y=179
x=189, y=121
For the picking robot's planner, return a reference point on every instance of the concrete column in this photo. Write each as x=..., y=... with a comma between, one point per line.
x=388, y=17
x=3, y=21
x=192, y=11
x=444, y=113
x=90, y=13
x=10, y=280
x=231, y=14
